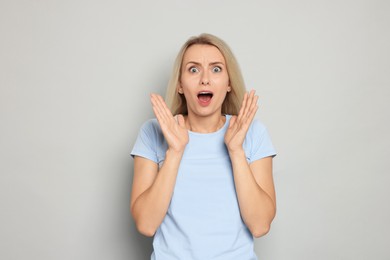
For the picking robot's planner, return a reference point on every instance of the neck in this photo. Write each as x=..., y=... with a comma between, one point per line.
x=207, y=124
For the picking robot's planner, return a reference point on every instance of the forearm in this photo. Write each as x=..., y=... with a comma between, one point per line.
x=256, y=206
x=150, y=208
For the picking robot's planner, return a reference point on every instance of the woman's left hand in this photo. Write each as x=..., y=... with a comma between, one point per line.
x=239, y=125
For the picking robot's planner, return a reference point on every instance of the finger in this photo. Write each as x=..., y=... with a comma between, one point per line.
x=181, y=121
x=157, y=109
x=160, y=110
x=251, y=110
x=163, y=109
x=247, y=106
x=156, y=104
x=251, y=101
x=232, y=121
x=243, y=105
x=253, y=106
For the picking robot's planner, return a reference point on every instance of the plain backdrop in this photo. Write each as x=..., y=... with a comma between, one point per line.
x=75, y=79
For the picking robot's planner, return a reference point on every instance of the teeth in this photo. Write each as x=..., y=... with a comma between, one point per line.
x=204, y=93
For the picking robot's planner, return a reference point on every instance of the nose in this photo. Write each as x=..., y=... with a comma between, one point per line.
x=205, y=79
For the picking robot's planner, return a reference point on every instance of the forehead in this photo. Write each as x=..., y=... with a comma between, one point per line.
x=203, y=53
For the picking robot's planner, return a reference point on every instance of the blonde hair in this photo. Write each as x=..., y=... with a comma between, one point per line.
x=231, y=105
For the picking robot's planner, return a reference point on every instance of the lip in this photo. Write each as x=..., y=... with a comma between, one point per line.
x=206, y=92
x=203, y=102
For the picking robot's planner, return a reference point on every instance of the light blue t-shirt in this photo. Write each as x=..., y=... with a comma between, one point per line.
x=203, y=220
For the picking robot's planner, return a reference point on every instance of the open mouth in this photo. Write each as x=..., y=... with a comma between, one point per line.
x=205, y=96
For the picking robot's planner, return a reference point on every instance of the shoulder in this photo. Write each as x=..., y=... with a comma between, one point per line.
x=150, y=124
x=150, y=142
x=258, y=143
x=151, y=127
x=256, y=132
x=257, y=127
x=150, y=130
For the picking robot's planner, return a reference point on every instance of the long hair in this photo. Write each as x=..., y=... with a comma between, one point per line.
x=231, y=105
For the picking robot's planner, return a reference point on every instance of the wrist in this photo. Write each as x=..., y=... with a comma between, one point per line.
x=174, y=153
x=238, y=152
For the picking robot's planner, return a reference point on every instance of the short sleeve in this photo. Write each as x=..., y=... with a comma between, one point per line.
x=146, y=144
x=258, y=143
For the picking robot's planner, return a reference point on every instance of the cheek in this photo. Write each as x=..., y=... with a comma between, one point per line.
x=187, y=81
x=185, y=86
x=222, y=84
x=222, y=80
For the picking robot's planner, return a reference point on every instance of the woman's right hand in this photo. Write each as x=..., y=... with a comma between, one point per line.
x=174, y=129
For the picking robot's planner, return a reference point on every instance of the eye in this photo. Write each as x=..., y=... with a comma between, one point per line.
x=217, y=69
x=193, y=70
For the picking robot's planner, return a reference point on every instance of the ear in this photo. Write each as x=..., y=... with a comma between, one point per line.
x=179, y=88
x=229, y=89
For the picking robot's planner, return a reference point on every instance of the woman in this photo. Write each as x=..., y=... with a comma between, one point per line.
x=203, y=182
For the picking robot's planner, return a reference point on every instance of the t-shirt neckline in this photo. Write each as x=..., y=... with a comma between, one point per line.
x=222, y=129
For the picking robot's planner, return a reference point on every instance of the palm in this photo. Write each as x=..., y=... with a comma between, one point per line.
x=239, y=125
x=174, y=130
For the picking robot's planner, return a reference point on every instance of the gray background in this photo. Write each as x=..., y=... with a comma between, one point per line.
x=75, y=79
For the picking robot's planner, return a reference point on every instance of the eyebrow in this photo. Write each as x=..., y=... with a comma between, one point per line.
x=211, y=63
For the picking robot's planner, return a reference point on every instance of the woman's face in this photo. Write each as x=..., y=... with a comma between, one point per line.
x=204, y=80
